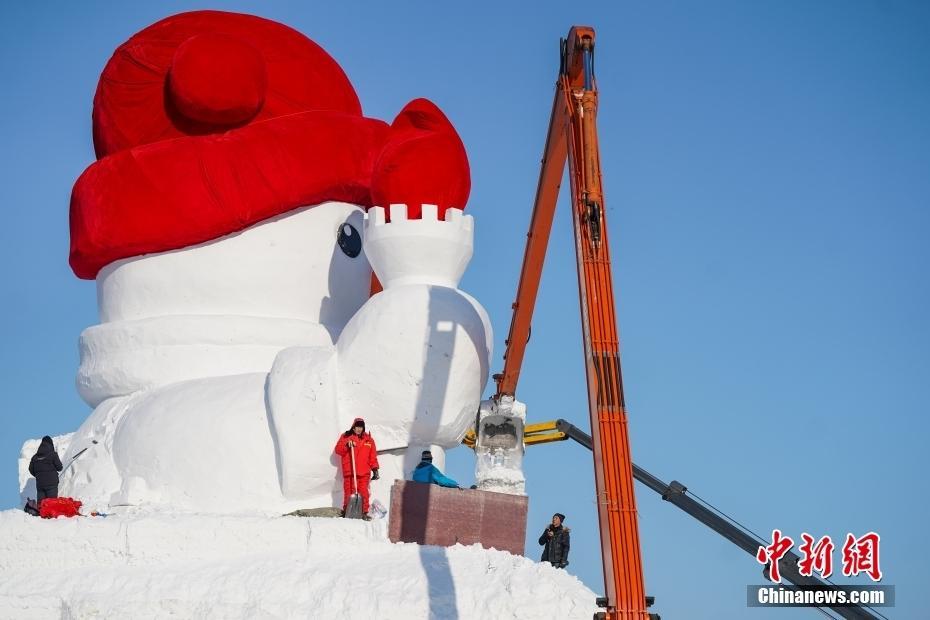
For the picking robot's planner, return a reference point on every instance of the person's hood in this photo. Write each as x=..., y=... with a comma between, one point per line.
x=423, y=464
x=46, y=447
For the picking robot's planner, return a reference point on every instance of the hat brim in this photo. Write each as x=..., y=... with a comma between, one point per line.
x=168, y=195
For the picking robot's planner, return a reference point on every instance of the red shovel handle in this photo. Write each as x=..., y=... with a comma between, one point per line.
x=352, y=455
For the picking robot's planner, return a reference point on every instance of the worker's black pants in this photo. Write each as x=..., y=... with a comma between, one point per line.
x=46, y=492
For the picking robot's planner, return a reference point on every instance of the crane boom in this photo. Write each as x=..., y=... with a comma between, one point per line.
x=573, y=136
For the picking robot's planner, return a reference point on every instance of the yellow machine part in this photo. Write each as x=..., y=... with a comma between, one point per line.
x=542, y=432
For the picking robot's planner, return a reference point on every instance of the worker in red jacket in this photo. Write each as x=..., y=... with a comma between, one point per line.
x=366, y=463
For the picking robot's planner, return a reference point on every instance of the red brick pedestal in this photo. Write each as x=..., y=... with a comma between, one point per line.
x=432, y=515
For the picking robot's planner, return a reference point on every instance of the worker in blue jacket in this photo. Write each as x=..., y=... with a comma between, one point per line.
x=429, y=473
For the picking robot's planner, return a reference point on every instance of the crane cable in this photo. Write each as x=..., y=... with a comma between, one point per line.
x=722, y=514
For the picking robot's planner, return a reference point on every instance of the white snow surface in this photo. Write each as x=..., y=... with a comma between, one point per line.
x=147, y=564
x=502, y=480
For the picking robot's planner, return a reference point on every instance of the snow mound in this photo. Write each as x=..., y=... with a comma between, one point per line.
x=155, y=565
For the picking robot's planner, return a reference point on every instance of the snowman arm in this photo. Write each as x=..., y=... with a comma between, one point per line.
x=301, y=401
x=413, y=362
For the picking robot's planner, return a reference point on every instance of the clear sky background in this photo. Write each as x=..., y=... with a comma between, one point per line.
x=767, y=178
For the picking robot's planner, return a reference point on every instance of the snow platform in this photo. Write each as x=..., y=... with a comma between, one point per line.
x=150, y=565
x=433, y=515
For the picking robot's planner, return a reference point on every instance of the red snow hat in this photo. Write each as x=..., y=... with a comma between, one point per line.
x=208, y=122
x=208, y=71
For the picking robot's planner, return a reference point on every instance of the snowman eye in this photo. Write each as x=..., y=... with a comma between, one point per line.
x=350, y=242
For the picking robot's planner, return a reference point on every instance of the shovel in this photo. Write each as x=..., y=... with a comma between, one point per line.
x=354, y=507
x=73, y=459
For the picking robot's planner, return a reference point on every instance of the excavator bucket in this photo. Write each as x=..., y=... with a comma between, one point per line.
x=499, y=446
x=498, y=432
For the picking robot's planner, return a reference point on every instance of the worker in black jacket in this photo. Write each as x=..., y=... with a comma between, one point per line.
x=45, y=466
x=556, y=541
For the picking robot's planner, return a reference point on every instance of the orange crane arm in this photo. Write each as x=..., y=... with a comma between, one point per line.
x=573, y=135
x=537, y=240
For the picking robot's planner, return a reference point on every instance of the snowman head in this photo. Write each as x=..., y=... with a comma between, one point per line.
x=308, y=264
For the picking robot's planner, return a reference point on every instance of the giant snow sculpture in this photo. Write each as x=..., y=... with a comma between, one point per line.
x=231, y=225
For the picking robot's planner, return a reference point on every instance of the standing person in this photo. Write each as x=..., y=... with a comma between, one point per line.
x=366, y=463
x=556, y=541
x=45, y=466
x=429, y=473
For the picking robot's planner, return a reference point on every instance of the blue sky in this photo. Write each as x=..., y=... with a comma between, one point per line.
x=767, y=179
